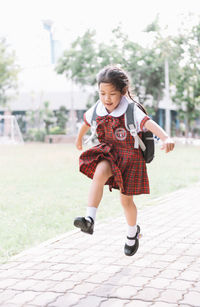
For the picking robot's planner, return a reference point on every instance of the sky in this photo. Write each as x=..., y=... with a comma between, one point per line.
x=21, y=21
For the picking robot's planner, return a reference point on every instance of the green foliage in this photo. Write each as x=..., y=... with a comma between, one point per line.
x=56, y=130
x=79, y=62
x=154, y=26
x=42, y=122
x=187, y=95
x=39, y=122
x=48, y=116
x=35, y=135
x=83, y=60
x=151, y=73
x=8, y=72
x=61, y=117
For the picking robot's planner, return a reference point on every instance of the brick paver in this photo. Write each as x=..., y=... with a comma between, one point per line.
x=80, y=270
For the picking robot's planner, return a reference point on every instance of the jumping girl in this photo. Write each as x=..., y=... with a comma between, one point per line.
x=116, y=161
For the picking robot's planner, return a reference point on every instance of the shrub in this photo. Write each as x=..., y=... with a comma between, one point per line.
x=56, y=130
x=36, y=135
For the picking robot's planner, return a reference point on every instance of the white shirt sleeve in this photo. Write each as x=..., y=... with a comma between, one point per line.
x=140, y=119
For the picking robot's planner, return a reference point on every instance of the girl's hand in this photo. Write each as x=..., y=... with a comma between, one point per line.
x=168, y=145
x=79, y=144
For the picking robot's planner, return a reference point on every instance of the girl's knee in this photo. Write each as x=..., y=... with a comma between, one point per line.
x=126, y=200
x=103, y=170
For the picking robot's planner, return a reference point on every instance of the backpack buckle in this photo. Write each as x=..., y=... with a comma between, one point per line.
x=133, y=131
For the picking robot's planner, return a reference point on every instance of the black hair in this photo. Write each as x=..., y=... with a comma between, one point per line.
x=119, y=79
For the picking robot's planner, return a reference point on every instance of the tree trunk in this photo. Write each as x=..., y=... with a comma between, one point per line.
x=187, y=125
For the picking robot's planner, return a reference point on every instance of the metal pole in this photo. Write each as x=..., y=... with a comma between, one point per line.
x=52, y=47
x=47, y=24
x=72, y=115
x=167, y=97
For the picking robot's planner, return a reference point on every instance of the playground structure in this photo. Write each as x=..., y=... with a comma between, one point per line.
x=9, y=130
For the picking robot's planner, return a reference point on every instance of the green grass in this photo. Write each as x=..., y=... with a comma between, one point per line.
x=41, y=190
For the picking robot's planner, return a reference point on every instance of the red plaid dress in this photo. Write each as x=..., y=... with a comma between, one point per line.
x=117, y=147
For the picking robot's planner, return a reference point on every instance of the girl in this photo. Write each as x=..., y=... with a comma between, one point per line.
x=115, y=161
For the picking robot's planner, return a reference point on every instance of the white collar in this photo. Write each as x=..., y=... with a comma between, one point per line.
x=120, y=110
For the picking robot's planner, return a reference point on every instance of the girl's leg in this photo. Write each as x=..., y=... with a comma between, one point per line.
x=102, y=173
x=130, y=211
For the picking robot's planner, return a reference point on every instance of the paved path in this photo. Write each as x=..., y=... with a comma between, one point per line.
x=80, y=270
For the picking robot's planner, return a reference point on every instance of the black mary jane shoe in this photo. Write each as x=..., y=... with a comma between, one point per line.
x=131, y=250
x=84, y=224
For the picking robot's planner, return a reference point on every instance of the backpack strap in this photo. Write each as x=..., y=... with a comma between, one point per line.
x=94, y=115
x=93, y=127
x=131, y=127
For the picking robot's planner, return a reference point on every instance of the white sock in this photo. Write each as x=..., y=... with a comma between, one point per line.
x=131, y=232
x=91, y=211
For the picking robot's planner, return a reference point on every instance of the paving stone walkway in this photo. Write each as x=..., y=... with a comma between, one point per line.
x=80, y=270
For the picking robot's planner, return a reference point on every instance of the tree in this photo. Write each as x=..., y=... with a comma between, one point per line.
x=80, y=61
x=150, y=74
x=8, y=72
x=40, y=121
x=154, y=26
x=187, y=95
x=85, y=58
x=61, y=117
x=163, y=48
x=145, y=65
x=48, y=116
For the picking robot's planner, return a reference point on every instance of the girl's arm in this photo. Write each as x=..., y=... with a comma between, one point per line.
x=168, y=144
x=83, y=130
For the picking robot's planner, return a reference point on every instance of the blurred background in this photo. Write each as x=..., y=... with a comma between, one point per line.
x=51, y=51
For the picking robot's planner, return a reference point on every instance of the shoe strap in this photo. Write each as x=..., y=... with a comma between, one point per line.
x=135, y=237
x=89, y=217
x=132, y=238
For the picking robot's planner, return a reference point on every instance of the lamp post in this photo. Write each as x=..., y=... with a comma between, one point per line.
x=47, y=24
x=168, y=101
x=71, y=125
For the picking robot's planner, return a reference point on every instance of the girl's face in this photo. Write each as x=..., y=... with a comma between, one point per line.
x=109, y=96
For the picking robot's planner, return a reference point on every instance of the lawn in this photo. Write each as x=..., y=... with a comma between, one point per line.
x=42, y=190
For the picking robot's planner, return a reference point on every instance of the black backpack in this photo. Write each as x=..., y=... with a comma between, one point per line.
x=146, y=143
